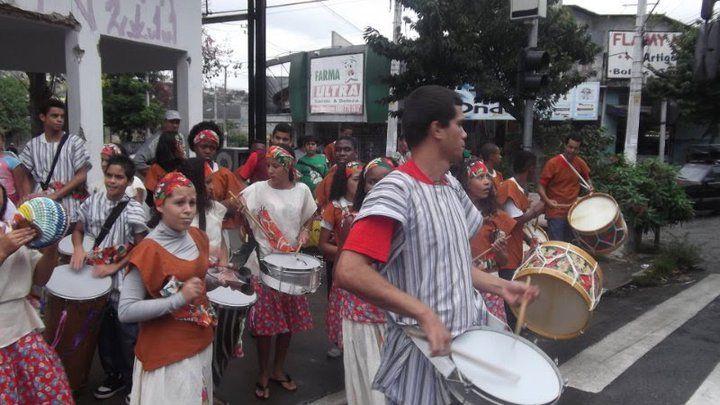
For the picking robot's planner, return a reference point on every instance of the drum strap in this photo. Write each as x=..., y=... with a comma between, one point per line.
x=44, y=185
x=583, y=182
x=114, y=214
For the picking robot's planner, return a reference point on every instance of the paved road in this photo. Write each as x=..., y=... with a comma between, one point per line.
x=644, y=346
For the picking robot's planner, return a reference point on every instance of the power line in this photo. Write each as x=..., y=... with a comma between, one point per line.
x=268, y=7
x=342, y=17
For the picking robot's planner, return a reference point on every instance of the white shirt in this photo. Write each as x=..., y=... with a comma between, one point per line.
x=17, y=316
x=213, y=225
x=289, y=209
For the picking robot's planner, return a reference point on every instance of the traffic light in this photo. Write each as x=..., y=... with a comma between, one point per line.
x=532, y=63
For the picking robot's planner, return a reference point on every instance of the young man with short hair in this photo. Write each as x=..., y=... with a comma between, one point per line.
x=67, y=183
x=255, y=167
x=345, y=151
x=116, y=343
x=346, y=130
x=312, y=166
x=415, y=224
x=491, y=156
x=559, y=187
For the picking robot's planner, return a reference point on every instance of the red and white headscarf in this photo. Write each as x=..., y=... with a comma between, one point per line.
x=168, y=184
x=477, y=169
x=208, y=136
x=110, y=149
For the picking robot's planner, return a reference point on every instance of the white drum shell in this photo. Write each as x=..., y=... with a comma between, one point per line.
x=78, y=285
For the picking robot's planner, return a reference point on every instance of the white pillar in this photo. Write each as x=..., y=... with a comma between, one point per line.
x=83, y=71
x=663, y=129
x=636, y=83
x=189, y=90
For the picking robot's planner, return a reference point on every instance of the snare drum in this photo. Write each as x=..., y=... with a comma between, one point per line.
x=74, y=306
x=291, y=273
x=232, y=308
x=598, y=223
x=539, y=380
x=66, y=247
x=570, y=283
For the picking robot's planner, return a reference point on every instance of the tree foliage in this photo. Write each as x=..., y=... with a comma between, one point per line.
x=215, y=57
x=697, y=101
x=125, y=108
x=474, y=41
x=13, y=105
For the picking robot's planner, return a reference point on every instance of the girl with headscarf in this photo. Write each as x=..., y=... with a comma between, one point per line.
x=490, y=239
x=165, y=291
x=284, y=209
x=169, y=155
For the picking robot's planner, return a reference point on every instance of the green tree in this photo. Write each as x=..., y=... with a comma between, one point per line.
x=697, y=101
x=125, y=108
x=474, y=41
x=13, y=105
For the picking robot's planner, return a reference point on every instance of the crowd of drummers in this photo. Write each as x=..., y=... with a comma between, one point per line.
x=415, y=249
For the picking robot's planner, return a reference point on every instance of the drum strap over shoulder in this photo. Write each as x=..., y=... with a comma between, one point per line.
x=44, y=185
x=114, y=214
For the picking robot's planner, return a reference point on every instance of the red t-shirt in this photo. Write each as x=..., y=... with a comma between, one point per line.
x=372, y=236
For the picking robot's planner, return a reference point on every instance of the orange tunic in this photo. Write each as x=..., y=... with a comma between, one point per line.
x=166, y=340
x=153, y=177
x=329, y=152
x=322, y=190
x=509, y=190
x=497, y=179
x=562, y=184
x=486, y=235
x=223, y=183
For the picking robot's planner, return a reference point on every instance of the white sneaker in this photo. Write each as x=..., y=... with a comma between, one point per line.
x=334, y=352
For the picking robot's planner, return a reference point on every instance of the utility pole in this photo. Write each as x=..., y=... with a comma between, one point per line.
x=392, y=123
x=215, y=115
x=529, y=110
x=663, y=129
x=636, y=82
x=225, y=101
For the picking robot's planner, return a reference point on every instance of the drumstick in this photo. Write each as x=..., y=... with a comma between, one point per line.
x=248, y=214
x=502, y=372
x=523, y=307
x=481, y=255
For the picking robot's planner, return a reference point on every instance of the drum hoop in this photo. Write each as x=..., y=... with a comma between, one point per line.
x=587, y=197
x=290, y=270
x=542, y=271
x=264, y=273
x=470, y=386
x=574, y=249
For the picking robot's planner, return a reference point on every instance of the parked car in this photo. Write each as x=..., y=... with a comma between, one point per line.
x=701, y=182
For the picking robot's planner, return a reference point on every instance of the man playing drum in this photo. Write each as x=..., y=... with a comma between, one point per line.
x=416, y=223
x=559, y=187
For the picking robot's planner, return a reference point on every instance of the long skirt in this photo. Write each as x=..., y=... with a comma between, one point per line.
x=333, y=320
x=275, y=312
x=187, y=381
x=361, y=355
x=31, y=373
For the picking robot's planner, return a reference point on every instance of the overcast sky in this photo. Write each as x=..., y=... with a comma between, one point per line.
x=306, y=27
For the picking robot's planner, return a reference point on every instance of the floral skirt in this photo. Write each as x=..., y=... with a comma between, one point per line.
x=275, y=312
x=31, y=373
x=333, y=319
x=495, y=305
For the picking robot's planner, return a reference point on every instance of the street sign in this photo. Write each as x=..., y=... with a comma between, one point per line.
x=657, y=52
x=525, y=9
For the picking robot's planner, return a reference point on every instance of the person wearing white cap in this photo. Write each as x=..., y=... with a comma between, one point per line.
x=145, y=155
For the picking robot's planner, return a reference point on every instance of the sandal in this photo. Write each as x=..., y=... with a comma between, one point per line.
x=264, y=391
x=287, y=380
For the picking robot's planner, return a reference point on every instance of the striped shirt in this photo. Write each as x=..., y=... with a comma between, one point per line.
x=37, y=157
x=94, y=211
x=430, y=260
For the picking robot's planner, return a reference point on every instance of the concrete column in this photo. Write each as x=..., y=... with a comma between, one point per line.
x=84, y=82
x=188, y=85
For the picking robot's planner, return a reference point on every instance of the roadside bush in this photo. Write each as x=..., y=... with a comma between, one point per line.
x=675, y=257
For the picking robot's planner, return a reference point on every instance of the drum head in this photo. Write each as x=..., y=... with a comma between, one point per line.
x=66, y=246
x=560, y=312
x=228, y=297
x=540, y=381
x=593, y=213
x=77, y=285
x=292, y=261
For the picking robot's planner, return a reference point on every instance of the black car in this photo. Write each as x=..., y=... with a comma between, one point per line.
x=701, y=182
